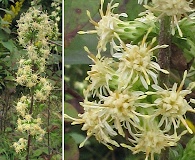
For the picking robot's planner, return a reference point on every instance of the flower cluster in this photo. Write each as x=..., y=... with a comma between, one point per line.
x=128, y=100
x=35, y=29
x=31, y=126
x=25, y=74
x=22, y=105
x=20, y=145
x=43, y=89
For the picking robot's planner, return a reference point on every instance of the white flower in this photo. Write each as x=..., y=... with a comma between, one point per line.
x=111, y=115
x=100, y=74
x=136, y=62
x=121, y=108
x=172, y=105
x=20, y=145
x=151, y=139
x=173, y=8
x=147, y=17
x=94, y=122
x=105, y=28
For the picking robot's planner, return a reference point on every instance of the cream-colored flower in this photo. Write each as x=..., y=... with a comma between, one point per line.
x=147, y=17
x=21, y=108
x=100, y=74
x=172, y=105
x=94, y=122
x=121, y=107
x=43, y=90
x=28, y=117
x=151, y=139
x=106, y=27
x=111, y=115
x=20, y=145
x=173, y=8
x=136, y=63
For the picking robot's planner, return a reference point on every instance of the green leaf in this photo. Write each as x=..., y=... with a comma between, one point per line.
x=175, y=152
x=9, y=45
x=74, y=43
x=56, y=157
x=189, y=152
x=75, y=53
x=76, y=11
x=9, y=78
x=70, y=110
x=71, y=149
x=37, y=152
x=79, y=138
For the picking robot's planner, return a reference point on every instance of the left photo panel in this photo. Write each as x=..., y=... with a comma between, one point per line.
x=30, y=80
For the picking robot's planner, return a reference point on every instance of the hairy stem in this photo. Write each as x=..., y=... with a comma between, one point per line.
x=164, y=53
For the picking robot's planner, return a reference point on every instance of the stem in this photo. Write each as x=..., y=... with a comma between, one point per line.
x=164, y=61
x=48, y=123
x=164, y=53
x=29, y=136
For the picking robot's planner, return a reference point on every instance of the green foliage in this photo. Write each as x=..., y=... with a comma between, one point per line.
x=189, y=152
x=71, y=149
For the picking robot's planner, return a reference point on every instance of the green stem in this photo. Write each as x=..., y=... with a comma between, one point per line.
x=164, y=53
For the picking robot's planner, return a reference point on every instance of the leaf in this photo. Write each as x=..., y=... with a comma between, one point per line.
x=9, y=45
x=9, y=78
x=79, y=138
x=71, y=149
x=37, y=152
x=189, y=152
x=74, y=43
x=133, y=9
x=75, y=53
x=76, y=11
x=70, y=110
x=56, y=157
x=175, y=152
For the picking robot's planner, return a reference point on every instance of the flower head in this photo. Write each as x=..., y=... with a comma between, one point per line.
x=151, y=139
x=136, y=62
x=172, y=105
x=173, y=8
x=111, y=115
x=94, y=122
x=106, y=27
x=100, y=74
